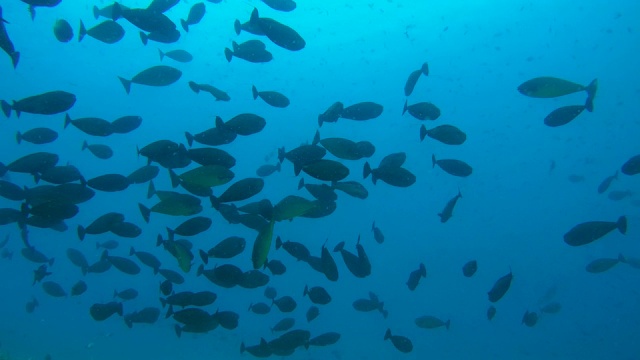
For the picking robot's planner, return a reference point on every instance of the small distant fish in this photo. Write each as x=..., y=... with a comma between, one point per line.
x=377, y=233
x=500, y=287
x=576, y=178
x=402, y=343
x=617, y=195
x=530, y=319
x=491, y=312
x=62, y=30
x=470, y=268
x=604, y=185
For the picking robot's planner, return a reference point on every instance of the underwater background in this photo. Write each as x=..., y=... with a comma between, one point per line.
x=513, y=213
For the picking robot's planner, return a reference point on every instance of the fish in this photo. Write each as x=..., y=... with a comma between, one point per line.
x=126, y=124
x=332, y=114
x=218, y=94
x=447, y=212
x=530, y=319
x=62, y=30
x=446, y=134
x=346, y=149
x=325, y=339
x=431, y=322
x=191, y=227
x=146, y=258
x=413, y=78
x=147, y=19
x=281, y=5
x=182, y=56
x=253, y=279
x=414, y=277
x=39, y=3
x=328, y=264
x=253, y=51
x=268, y=169
x=215, y=136
x=491, y=312
x=123, y=264
x=286, y=343
x=326, y=170
x=631, y=166
x=352, y=188
x=31, y=305
x=11, y=191
x=402, y=343
x=101, y=312
x=38, y=136
x=48, y=103
x=78, y=288
x=312, y=313
x=590, y=231
x=100, y=151
x=101, y=225
x=196, y=13
x=563, y=115
x=261, y=350
x=362, y=111
x=109, y=245
x=422, y=110
x=127, y=294
x=227, y=248
x=551, y=308
x=112, y=11
x=278, y=33
x=262, y=245
x=108, y=32
x=317, y=294
x=551, y=87
x=470, y=268
x=148, y=315
x=109, y=182
x=6, y=44
x=285, y=304
x=392, y=175
x=270, y=292
x=90, y=125
x=32, y=254
x=161, y=6
x=284, y=324
x=40, y=273
x=78, y=259
x=272, y=98
x=144, y=174
x=452, y=166
x=226, y=275
x=603, y=264
x=500, y=287
x=606, y=183
x=259, y=308
x=238, y=191
x=297, y=250
x=53, y=289
x=617, y=195
x=166, y=37
x=160, y=75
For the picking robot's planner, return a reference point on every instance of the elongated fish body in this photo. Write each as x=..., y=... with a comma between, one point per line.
x=588, y=232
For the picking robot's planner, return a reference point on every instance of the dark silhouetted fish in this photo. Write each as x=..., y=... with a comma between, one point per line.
x=182, y=56
x=100, y=151
x=604, y=185
x=48, y=103
x=39, y=3
x=332, y=114
x=6, y=44
x=603, y=264
x=252, y=51
x=447, y=212
x=446, y=134
x=431, y=322
x=470, y=268
x=415, y=275
x=530, y=318
x=588, y=232
x=62, y=30
x=160, y=75
x=414, y=77
x=101, y=312
x=108, y=32
x=500, y=287
x=218, y=94
x=402, y=343
x=422, y=110
x=196, y=13
x=272, y=98
x=631, y=166
x=281, y=5
x=452, y=166
x=278, y=33
x=563, y=115
x=39, y=136
x=362, y=111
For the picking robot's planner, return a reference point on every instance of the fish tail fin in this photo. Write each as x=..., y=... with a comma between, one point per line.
x=237, y=26
x=15, y=57
x=169, y=312
x=6, y=108
x=622, y=224
x=278, y=242
x=404, y=109
x=82, y=32
x=132, y=251
x=306, y=290
x=185, y=25
x=81, y=233
x=200, y=270
x=96, y=12
x=145, y=212
x=84, y=145
x=242, y=347
x=151, y=190
x=159, y=240
x=297, y=168
x=13, y=106
x=622, y=259
x=433, y=160
x=316, y=138
x=178, y=330
x=215, y=202
x=425, y=69
x=228, y=54
x=126, y=84
x=447, y=324
x=115, y=293
x=591, y=89
x=67, y=120
x=175, y=179
x=339, y=247
x=162, y=56
x=281, y=154
x=144, y=38
x=423, y=132
x=387, y=335
x=32, y=11
x=189, y=138
x=170, y=233
x=18, y=137
x=254, y=91
x=204, y=256
x=366, y=171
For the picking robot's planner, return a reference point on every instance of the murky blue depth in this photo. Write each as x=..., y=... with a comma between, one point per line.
x=531, y=183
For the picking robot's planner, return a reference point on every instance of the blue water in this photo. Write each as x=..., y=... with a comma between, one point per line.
x=513, y=213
